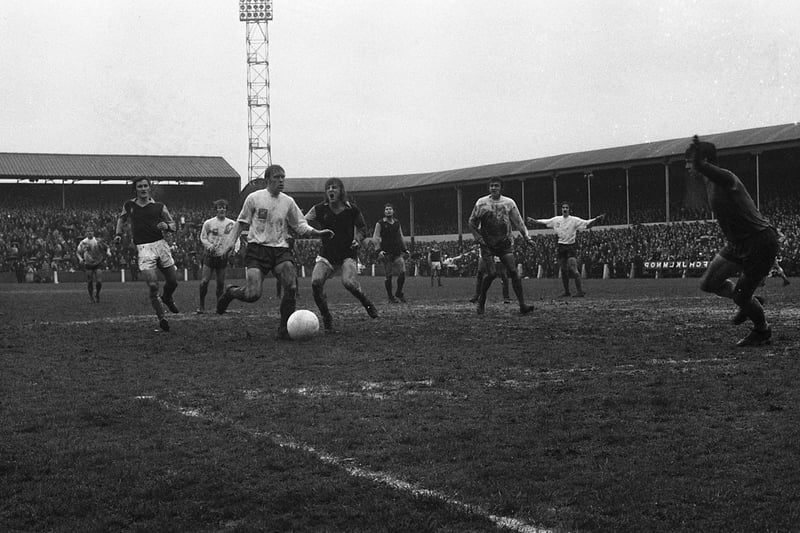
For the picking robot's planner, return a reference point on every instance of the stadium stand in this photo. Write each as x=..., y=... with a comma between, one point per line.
x=654, y=215
x=36, y=240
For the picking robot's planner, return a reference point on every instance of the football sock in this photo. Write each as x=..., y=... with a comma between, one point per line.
x=288, y=304
x=516, y=283
x=478, y=284
x=169, y=289
x=388, y=285
x=204, y=292
x=578, y=284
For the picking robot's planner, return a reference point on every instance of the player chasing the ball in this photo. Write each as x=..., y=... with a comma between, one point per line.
x=92, y=252
x=213, y=232
x=566, y=227
x=340, y=250
x=492, y=220
x=269, y=213
x=148, y=220
x=752, y=242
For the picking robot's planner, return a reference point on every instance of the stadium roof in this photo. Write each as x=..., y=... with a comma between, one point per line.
x=112, y=167
x=772, y=137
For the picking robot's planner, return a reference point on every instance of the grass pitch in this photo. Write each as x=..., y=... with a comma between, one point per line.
x=627, y=410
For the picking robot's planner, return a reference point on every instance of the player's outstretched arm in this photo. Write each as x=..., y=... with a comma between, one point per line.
x=537, y=223
x=595, y=220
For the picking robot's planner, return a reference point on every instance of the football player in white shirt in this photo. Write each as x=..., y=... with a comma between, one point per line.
x=91, y=254
x=566, y=227
x=211, y=236
x=492, y=221
x=270, y=213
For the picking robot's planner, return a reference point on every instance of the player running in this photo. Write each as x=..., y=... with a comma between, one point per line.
x=339, y=251
x=148, y=221
x=269, y=213
x=492, y=220
x=92, y=252
x=752, y=242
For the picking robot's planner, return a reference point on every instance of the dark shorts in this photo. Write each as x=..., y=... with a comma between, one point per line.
x=394, y=265
x=755, y=255
x=91, y=268
x=500, y=248
x=565, y=251
x=266, y=258
x=215, y=262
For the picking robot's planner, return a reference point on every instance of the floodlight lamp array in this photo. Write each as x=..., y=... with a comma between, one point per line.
x=254, y=10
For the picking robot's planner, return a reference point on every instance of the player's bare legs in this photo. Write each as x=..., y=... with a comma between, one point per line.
x=151, y=279
x=350, y=282
x=572, y=272
x=717, y=280
x=564, y=267
x=170, y=284
x=98, y=284
x=516, y=283
x=249, y=293
x=93, y=284
x=204, y=281
x=321, y=273
x=488, y=277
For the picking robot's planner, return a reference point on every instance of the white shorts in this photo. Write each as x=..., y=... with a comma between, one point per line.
x=436, y=265
x=154, y=255
x=324, y=270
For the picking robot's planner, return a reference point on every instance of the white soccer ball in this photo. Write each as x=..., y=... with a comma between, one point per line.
x=302, y=325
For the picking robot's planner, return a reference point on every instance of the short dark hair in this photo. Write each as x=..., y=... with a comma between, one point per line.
x=388, y=204
x=569, y=205
x=270, y=170
x=496, y=180
x=221, y=202
x=703, y=149
x=137, y=179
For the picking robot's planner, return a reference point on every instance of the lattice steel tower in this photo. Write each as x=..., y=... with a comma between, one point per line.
x=255, y=14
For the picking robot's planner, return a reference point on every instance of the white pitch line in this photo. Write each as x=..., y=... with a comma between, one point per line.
x=382, y=478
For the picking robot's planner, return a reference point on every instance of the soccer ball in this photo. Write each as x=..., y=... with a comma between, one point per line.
x=302, y=325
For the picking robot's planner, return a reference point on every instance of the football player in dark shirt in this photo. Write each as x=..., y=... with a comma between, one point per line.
x=751, y=241
x=148, y=220
x=339, y=252
x=392, y=251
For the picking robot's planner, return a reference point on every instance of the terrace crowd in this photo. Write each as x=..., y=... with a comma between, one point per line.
x=41, y=239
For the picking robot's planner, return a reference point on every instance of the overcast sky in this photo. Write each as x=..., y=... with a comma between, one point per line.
x=374, y=87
